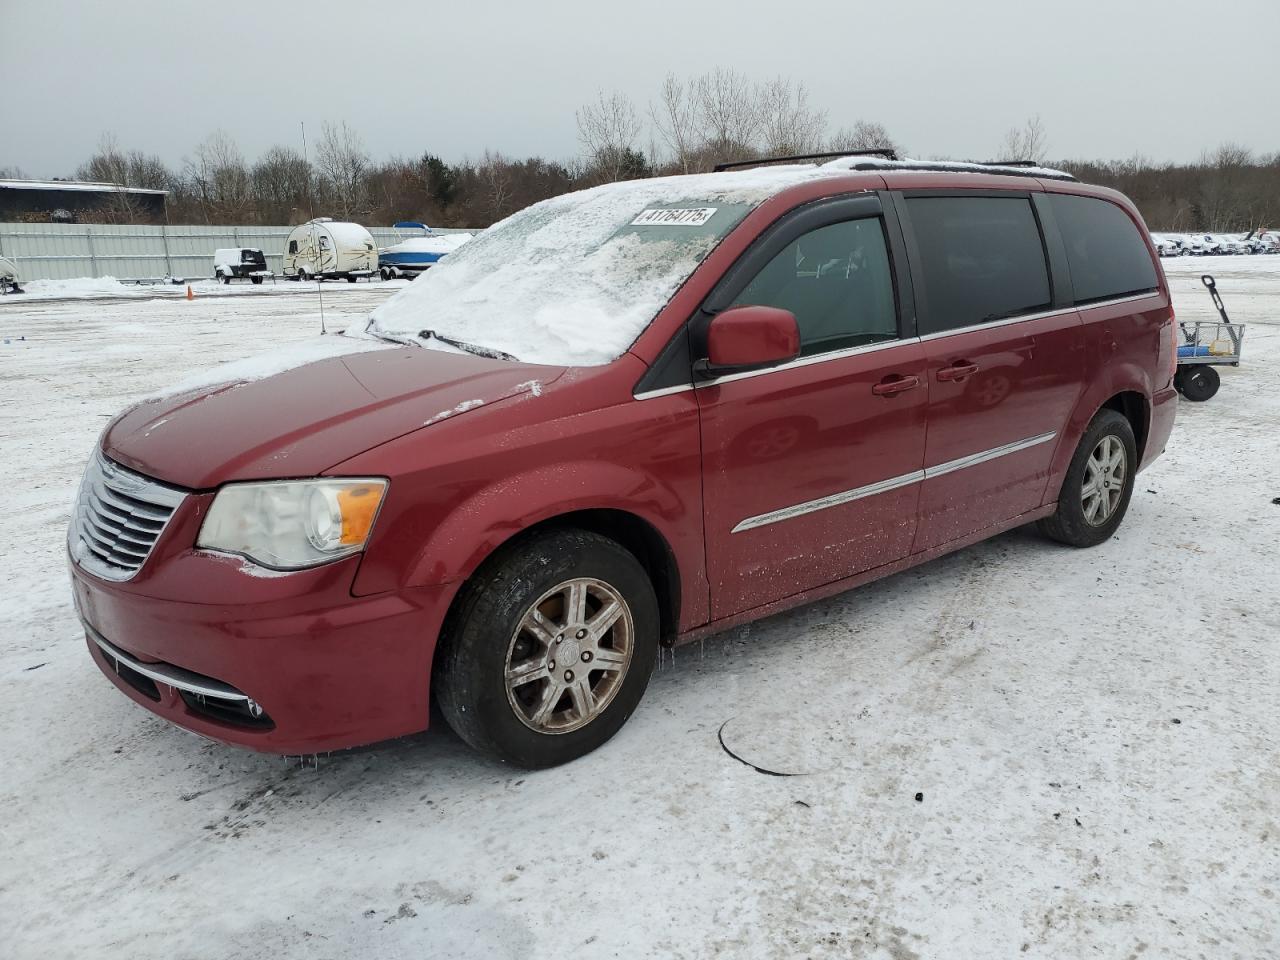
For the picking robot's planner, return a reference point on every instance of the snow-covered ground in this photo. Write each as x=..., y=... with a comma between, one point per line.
x=1018, y=750
x=100, y=288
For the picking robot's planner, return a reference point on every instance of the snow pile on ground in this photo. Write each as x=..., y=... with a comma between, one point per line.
x=88, y=288
x=571, y=280
x=81, y=287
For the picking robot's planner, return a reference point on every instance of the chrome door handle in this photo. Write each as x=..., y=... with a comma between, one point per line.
x=958, y=371
x=895, y=384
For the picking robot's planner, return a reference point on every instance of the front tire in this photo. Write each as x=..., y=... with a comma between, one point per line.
x=1099, y=483
x=549, y=650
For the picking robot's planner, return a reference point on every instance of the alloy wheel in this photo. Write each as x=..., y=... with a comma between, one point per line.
x=1104, y=480
x=568, y=656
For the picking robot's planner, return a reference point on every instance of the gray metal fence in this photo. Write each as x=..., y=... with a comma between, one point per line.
x=57, y=251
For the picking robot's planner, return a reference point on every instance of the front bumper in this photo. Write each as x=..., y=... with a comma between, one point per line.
x=290, y=664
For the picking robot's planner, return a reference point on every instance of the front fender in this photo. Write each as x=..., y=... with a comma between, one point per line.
x=499, y=511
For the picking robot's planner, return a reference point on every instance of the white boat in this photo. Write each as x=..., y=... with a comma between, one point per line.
x=413, y=254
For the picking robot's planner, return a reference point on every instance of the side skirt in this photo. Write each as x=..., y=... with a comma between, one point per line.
x=858, y=579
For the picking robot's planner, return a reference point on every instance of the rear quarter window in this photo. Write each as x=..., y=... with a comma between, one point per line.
x=1105, y=252
x=982, y=259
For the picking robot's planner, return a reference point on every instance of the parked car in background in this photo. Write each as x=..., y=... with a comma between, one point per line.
x=1262, y=242
x=1165, y=245
x=1192, y=245
x=1230, y=245
x=240, y=263
x=418, y=251
x=327, y=249
x=710, y=399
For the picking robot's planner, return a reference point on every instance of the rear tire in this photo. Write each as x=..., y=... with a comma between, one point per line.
x=1200, y=383
x=566, y=594
x=1099, y=483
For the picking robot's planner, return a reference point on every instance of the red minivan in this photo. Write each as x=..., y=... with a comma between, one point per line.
x=624, y=417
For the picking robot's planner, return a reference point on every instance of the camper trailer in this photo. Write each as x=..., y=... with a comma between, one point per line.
x=326, y=249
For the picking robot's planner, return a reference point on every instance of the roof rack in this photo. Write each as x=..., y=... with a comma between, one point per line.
x=1008, y=163
x=830, y=155
x=1017, y=169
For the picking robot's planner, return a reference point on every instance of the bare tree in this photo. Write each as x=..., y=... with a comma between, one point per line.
x=220, y=179
x=607, y=128
x=788, y=124
x=863, y=135
x=728, y=113
x=675, y=117
x=108, y=165
x=282, y=185
x=12, y=173
x=343, y=166
x=496, y=176
x=1027, y=142
x=1225, y=198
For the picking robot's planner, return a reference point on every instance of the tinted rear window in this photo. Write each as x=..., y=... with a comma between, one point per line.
x=982, y=259
x=1105, y=252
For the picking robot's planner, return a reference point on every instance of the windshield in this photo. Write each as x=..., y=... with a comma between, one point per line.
x=575, y=279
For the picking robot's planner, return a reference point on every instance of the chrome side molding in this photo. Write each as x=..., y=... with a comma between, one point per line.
x=976, y=458
x=893, y=483
x=834, y=500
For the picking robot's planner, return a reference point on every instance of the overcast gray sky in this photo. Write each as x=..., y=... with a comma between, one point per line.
x=1109, y=79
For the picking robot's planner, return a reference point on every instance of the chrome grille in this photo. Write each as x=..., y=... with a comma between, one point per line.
x=118, y=518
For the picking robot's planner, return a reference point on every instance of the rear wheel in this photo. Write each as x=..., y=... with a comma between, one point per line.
x=550, y=649
x=1199, y=383
x=351, y=279
x=256, y=280
x=1099, y=482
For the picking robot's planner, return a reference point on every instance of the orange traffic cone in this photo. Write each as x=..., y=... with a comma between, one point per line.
x=190, y=295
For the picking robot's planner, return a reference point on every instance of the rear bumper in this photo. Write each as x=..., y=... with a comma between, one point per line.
x=1164, y=408
x=324, y=670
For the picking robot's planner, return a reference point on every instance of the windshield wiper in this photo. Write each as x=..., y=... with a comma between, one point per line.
x=473, y=348
x=392, y=338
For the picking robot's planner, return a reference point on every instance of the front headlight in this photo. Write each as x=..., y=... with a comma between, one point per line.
x=291, y=524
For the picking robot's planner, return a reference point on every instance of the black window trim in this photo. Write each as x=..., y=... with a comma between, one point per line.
x=672, y=371
x=1050, y=244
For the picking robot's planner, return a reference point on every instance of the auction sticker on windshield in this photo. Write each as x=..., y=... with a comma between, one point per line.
x=685, y=217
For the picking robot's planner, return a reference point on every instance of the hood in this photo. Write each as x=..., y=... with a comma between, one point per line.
x=300, y=422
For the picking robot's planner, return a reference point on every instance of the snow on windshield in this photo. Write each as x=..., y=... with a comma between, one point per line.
x=574, y=280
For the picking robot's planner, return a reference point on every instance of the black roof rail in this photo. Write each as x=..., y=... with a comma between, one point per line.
x=1009, y=163
x=829, y=155
x=1019, y=169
